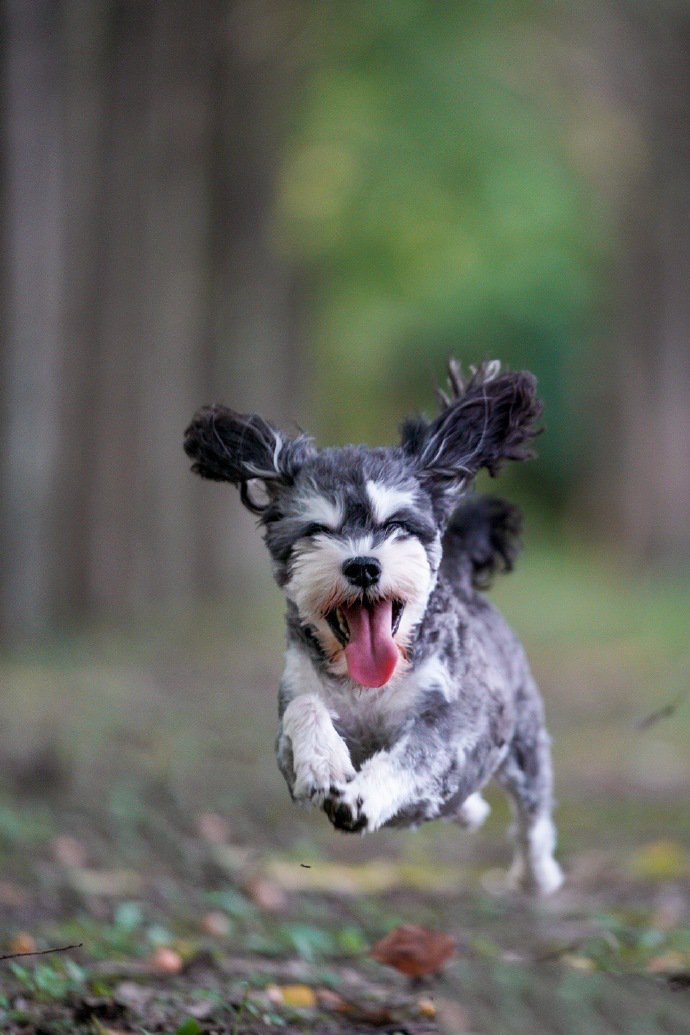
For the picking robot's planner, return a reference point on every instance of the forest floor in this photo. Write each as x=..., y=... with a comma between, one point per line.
x=143, y=821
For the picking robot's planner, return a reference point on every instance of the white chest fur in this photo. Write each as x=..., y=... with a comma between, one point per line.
x=361, y=713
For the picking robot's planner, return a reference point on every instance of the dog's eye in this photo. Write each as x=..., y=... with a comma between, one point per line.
x=398, y=526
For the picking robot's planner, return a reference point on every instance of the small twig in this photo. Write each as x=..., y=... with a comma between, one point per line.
x=40, y=952
x=665, y=712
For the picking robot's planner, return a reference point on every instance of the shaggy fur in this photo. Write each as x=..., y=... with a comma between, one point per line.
x=404, y=691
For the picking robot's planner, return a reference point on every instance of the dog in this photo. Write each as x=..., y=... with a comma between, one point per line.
x=404, y=690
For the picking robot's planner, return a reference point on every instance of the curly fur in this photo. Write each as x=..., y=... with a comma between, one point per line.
x=404, y=692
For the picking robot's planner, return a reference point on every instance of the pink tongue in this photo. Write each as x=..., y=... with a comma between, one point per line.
x=371, y=653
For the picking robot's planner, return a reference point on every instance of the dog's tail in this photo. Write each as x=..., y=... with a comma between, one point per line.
x=482, y=538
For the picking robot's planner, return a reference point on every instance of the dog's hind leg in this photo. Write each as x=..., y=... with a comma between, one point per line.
x=527, y=776
x=472, y=812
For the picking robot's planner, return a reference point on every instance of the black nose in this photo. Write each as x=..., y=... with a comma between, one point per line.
x=362, y=571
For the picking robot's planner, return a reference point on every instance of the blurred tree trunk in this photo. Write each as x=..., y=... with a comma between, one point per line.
x=255, y=300
x=142, y=143
x=32, y=341
x=87, y=54
x=644, y=455
x=176, y=340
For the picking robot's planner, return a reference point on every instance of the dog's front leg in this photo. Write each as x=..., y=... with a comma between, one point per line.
x=320, y=757
x=411, y=775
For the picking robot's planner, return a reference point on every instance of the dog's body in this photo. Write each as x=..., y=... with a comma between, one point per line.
x=404, y=691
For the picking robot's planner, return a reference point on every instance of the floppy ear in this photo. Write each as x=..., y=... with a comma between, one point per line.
x=485, y=420
x=243, y=447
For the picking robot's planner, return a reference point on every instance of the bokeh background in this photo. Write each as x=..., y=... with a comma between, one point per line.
x=303, y=209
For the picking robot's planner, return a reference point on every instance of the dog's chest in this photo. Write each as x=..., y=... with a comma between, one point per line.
x=371, y=720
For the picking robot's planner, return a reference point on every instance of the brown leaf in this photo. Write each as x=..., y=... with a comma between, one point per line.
x=414, y=950
x=23, y=942
x=266, y=894
x=166, y=961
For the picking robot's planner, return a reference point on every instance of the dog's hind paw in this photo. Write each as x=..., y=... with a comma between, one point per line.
x=542, y=879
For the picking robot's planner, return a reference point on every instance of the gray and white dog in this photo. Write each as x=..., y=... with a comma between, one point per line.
x=404, y=690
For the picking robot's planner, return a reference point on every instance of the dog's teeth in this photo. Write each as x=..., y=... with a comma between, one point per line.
x=342, y=622
x=336, y=620
x=398, y=608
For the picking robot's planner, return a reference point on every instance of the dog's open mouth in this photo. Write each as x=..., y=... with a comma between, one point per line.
x=366, y=630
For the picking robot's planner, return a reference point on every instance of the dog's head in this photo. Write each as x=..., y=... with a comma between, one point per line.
x=355, y=533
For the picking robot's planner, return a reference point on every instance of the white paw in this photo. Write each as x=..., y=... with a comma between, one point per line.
x=542, y=878
x=315, y=777
x=547, y=877
x=473, y=812
x=320, y=756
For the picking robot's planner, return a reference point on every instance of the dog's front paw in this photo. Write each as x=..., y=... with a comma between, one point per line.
x=314, y=780
x=345, y=810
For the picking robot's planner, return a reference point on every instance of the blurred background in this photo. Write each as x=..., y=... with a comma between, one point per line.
x=302, y=209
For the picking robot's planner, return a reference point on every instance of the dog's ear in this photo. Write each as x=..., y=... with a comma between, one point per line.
x=243, y=448
x=485, y=419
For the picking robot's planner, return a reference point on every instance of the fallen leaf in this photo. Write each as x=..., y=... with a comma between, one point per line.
x=414, y=951
x=166, y=961
x=576, y=962
x=426, y=1008
x=23, y=942
x=299, y=996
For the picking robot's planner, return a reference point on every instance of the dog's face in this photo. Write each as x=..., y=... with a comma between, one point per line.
x=355, y=533
x=356, y=546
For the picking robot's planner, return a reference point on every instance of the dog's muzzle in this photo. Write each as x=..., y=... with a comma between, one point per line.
x=366, y=627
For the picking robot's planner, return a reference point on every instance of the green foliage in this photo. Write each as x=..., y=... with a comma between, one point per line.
x=189, y=1027
x=430, y=197
x=48, y=981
